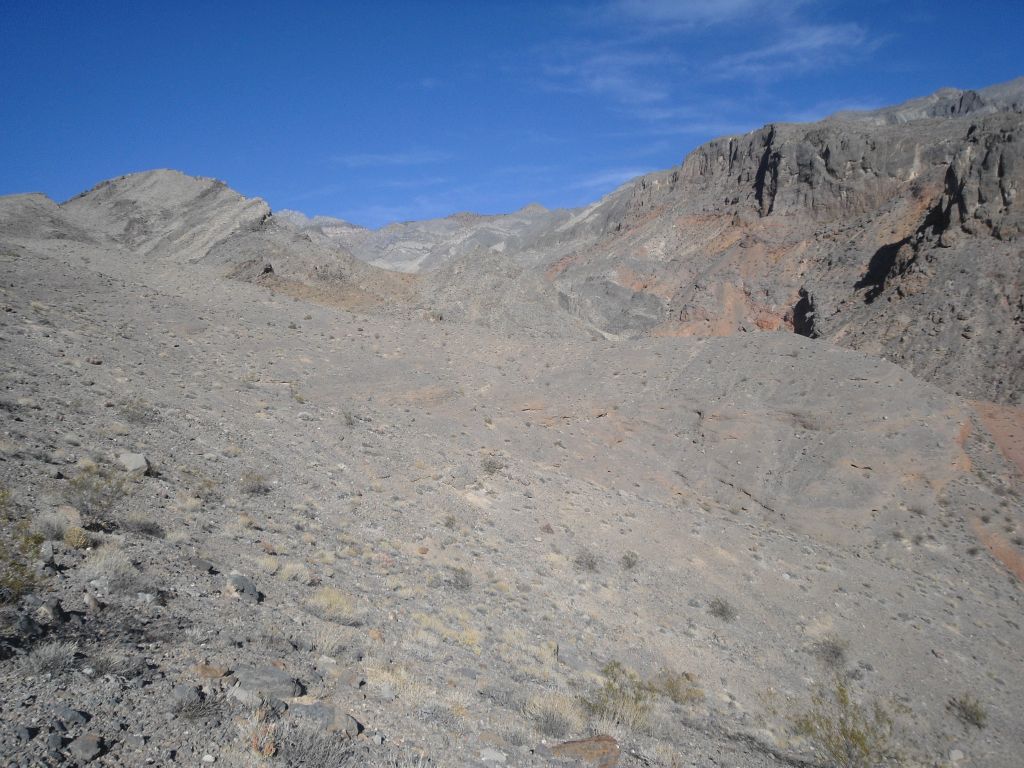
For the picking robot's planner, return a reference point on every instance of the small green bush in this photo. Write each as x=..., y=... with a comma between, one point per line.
x=846, y=734
x=19, y=548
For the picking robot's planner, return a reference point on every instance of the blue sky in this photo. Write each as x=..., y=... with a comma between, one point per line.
x=407, y=110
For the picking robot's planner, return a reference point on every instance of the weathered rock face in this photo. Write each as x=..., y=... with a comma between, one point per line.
x=894, y=235
x=165, y=213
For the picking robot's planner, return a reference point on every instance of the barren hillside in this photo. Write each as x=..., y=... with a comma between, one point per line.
x=544, y=503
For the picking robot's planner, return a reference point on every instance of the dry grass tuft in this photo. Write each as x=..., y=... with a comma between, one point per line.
x=680, y=687
x=50, y=526
x=554, y=715
x=304, y=744
x=258, y=732
x=845, y=733
x=254, y=484
x=623, y=697
x=115, y=571
x=332, y=604
x=53, y=658
x=77, y=538
x=295, y=571
x=968, y=710
x=94, y=492
x=142, y=525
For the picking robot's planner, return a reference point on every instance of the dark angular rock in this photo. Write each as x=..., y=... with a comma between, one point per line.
x=54, y=741
x=243, y=588
x=69, y=716
x=265, y=683
x=86, y=747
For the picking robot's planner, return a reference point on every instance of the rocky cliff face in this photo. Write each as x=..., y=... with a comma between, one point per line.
x=895, y=235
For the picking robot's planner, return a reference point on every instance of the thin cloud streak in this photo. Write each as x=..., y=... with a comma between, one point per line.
x=687, y=12
x=375, y=160
x=626, y=76
x=611, y=178
x=803, y=48
x=431, y=181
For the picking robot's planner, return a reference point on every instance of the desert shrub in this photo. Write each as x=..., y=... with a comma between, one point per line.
x=332, y=604
x=294, y=571
x=19, y=547
x=200, y=707
x=307, y=745
x=623, y=697
x=831, y=650
x=53, y=658
x=258, y=732
x=680, y=687
x=492, y=465
x=94, y=492
x=440, y=717
x=722, y=609
x=586, y=560
x=845, y=733
x=113, y=569
x=554, y=715
x=76, y=538
x=630, y=560
x=109, y=662
x=254, y=484
x=142, y=525
x=137, y=411
x=200, y=485
x=460, y=578
x=969, y=710
x=50, y=526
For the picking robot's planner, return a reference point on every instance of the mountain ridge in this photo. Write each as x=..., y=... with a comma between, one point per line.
x=894, y=232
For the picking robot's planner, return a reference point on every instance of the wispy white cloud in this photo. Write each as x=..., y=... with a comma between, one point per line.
x=608, y=179
x=823, y=109
x=418, y=183
x=376, y=160
x=625, y=76
x=693, y=12
x=801, y=48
